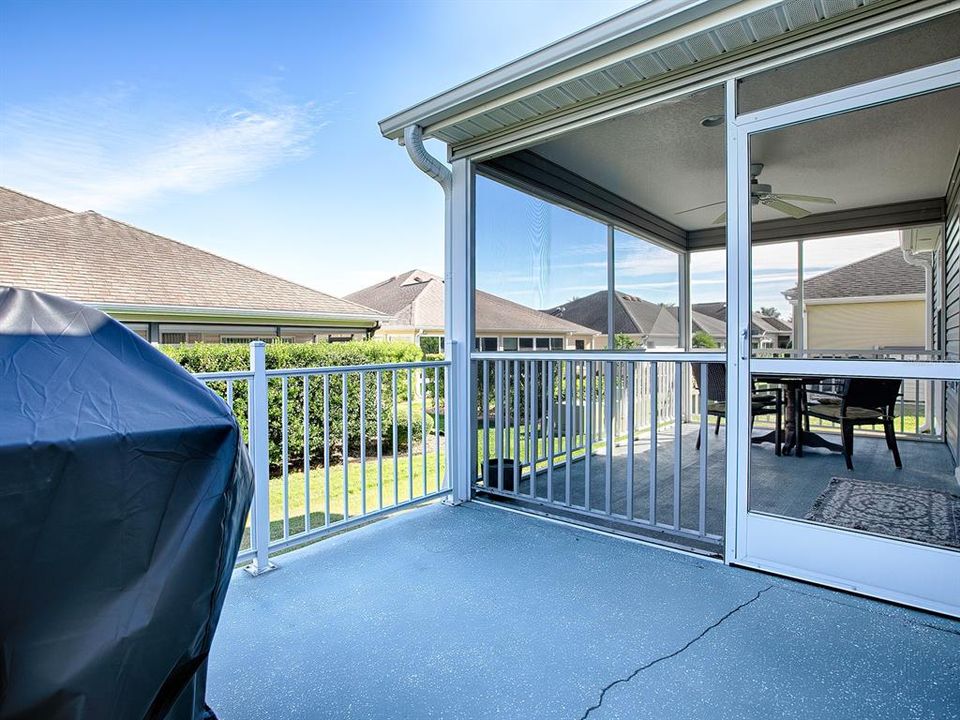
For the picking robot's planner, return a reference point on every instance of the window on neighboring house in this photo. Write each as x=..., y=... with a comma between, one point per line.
x=579, y=345
x=247, y=339
x=510, y=344
x=485, y=344
x=526, y=344
x=556, y=343
x=180, y=338
x=543, y=343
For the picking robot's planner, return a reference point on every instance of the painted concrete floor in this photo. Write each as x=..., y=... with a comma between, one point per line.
x=477, y=612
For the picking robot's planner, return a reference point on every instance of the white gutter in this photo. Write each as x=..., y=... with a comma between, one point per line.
x=235, y=312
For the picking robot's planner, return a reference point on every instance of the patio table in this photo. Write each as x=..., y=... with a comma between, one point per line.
x=796, y=437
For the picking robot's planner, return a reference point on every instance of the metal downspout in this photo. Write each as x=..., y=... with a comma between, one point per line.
x=427, y=163
x=925, y=261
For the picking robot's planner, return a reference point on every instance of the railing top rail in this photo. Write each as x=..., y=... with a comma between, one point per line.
x=340, y=369
x=225, y=375
x=605, y=355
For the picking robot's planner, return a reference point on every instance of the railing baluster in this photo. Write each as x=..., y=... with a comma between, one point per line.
x=516, y=430
x=498, y=420
x=653, y=443
x=436, y=422
x=396, y=455
x=362, y=376
x=550, y=419
x=631, y=379
x=677, y=440
x=285, y=453
x=306, y=454
x=570, y=397
x=589, y=435
x=608, y=431
x=379, y=440
x=485, y=411
x=326, y=450
x=531, y=419
x=423, y=426
x=344, y=381
x=409, y=434
x=704, y=439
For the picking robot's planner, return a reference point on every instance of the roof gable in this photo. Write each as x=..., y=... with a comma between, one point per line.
x=885, y=273
x=416, y=299
x=93, y=259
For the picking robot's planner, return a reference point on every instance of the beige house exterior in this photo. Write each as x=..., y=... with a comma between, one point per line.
x=878, y=303
x=866, y=323
x=164, y=290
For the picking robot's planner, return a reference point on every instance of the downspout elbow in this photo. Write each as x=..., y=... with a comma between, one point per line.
x=413, y=141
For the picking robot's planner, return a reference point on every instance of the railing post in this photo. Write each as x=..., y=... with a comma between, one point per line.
x=260, y=456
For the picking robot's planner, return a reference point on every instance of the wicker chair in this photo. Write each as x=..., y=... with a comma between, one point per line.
x=862, y=401
x=768, y=401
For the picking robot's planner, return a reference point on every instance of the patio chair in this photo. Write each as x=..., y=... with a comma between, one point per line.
x=768, y=401
x=862, y=401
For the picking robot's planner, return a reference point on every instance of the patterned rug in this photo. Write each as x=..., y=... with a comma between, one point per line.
x=927, y=516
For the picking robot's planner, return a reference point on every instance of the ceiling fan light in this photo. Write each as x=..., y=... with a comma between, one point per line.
x=712, y=120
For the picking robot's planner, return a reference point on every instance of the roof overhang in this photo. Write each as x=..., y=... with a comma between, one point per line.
x=903, y=297
x=637, y=57
x=179, y=312
x=570, y=53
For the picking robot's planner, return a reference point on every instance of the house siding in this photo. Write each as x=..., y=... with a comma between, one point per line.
x=866, y=325
x=951, y=309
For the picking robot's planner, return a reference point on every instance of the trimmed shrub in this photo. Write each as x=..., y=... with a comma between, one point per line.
x=229, y=357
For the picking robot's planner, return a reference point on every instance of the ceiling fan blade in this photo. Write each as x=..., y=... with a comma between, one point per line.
x=805, y=198
x=721, y=219
x=785, y=207
x=701, y=207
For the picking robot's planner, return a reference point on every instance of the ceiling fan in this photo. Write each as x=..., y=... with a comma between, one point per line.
x=761, y=194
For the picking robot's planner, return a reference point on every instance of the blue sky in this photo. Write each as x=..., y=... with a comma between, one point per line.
x=249, y=129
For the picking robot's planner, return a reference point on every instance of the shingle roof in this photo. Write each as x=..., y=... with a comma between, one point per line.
x=886, y=273
x=759, y=323
x=92, y=259
x=415, y=299
x=633, y=315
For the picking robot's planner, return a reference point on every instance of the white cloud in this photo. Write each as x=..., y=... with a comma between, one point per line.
x=114, y=150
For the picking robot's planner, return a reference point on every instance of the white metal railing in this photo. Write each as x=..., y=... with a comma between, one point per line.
x=597, y=435
x=334, y=446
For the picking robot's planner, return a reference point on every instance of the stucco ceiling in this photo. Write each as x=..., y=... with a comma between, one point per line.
x=663, y=160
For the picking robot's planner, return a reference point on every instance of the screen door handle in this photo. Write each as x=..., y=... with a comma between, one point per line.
x=745, y=344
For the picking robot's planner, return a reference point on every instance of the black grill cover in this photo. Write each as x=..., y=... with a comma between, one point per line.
x=124, y=488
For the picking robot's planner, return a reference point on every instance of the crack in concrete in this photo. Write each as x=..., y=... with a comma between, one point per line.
x=674, y=654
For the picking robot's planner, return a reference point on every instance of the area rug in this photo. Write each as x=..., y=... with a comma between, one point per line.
x=927, y=516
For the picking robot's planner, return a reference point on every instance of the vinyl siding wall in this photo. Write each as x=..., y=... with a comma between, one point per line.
x=951, y=309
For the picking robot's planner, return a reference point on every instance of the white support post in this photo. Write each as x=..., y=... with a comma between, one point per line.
x=260, y=456
x=459, y=332
x=738, y=321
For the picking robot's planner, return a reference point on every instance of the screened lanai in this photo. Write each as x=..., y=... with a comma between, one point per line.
x=757, y=213
x=621, y=225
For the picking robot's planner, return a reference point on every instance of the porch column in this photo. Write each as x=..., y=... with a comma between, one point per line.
x=458, y=330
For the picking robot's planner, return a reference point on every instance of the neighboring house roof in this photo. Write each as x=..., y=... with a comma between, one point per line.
x=92, y=259
x=415, y=299
x=759, y=322
x=633, y=315
x=886, y=273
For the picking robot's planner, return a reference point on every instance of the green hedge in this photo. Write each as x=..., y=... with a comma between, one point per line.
x=203, y=357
